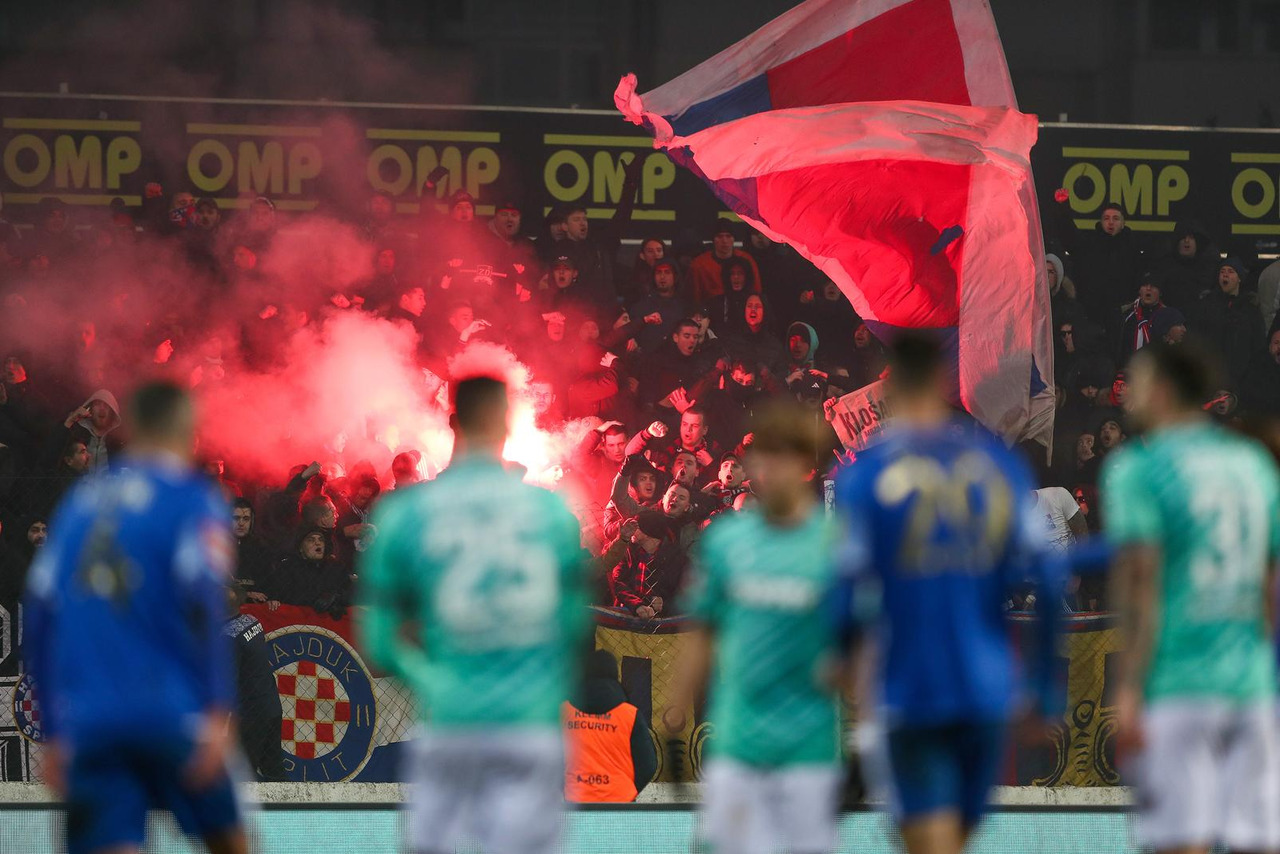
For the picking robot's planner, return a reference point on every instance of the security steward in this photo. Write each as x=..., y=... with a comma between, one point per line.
x=609, y=754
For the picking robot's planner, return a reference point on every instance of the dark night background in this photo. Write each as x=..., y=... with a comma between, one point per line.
x=1187, y=62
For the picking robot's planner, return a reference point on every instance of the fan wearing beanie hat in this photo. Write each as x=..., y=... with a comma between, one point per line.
x=646, y=580
x=1135, y=332
x=462, y=206
x=1062, y=291
x=1228, y=321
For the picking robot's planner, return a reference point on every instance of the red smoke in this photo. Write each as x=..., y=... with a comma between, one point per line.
x=283, y=376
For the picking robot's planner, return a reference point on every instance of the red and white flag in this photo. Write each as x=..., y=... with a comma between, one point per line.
x=881, y=139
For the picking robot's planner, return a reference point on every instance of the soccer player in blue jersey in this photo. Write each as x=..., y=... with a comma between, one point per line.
x=124, y=611
x=938, y=529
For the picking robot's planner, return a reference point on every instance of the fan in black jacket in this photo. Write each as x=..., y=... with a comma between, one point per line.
x=311, y=577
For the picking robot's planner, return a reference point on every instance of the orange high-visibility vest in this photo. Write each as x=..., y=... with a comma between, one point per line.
x=598, y=766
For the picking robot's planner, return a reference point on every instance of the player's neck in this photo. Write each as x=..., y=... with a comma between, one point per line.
x=921, y=411
x=168, y=453
x=1178, y=418
x=478, y=448
x=796, y=513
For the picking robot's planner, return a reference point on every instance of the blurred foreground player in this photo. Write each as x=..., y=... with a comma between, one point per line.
x=773, y=771
x=124, y=636
x=484, y=573
x=1192, y=513
x=939, y=530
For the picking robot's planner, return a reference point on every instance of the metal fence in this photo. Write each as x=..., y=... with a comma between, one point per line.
x=367, y=749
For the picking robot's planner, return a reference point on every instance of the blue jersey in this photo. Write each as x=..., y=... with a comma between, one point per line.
x=939, y=526
x=125, y=606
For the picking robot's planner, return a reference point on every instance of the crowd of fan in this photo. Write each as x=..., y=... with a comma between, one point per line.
x=1113, y=294
x=667, y=349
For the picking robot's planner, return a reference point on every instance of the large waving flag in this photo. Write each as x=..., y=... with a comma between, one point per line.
x=881, y=139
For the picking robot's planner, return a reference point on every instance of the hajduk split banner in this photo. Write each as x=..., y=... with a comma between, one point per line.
x=881, y=139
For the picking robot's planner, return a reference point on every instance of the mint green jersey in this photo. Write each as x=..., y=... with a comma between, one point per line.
x=760, y=588
x=1209, y=501
x=488, y=572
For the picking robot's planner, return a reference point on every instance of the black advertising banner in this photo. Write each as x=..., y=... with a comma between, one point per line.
x=1223, y=179
x=306, y=156
x=89, y=150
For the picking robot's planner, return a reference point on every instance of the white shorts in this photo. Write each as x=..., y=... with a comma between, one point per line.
x=749, y=810
x=501, y=790
x=1208, y=773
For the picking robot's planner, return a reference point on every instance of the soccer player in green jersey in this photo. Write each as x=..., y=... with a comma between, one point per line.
x=476, y=596
x=1193, y=516
x=772, y=775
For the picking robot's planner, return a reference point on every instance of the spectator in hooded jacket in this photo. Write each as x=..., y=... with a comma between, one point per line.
x=93, y=423
x=734, y=399
x=311, y=577
x=802, y=349
x=1063, y=305
x=1187, y=268
x=737, y=282
x=868, y=360
x=1229, y=321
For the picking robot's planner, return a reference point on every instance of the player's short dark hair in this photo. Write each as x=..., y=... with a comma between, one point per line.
x=158, y=408
x=696, y=409
x=475, y=399
x=242, y=504
x=616, y=430
x=915, y=361
x=786, y=427
x=1191, y=371
x=686, y=321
